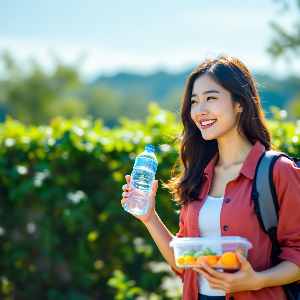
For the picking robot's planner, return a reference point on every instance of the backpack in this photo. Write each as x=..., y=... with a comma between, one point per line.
x=266, y=208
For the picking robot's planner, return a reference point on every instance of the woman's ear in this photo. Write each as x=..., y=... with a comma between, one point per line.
x=239, y=107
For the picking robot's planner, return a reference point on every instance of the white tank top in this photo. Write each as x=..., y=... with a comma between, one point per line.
x=209, y=226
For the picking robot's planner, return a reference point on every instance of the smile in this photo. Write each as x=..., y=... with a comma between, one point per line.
x=207, y=124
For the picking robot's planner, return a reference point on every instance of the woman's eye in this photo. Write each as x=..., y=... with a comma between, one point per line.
x=208, y=98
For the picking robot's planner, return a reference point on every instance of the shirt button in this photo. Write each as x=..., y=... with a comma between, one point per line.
x=227, y=200
x=225, y=228
x=231, y=298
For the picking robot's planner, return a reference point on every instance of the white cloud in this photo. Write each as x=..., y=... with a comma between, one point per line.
x=94, y=59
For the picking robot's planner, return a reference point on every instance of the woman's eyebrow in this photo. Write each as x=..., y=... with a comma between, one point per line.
x=206, y=92
x=210, y=91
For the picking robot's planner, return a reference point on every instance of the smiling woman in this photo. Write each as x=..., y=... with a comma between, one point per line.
x=224, y=91
x=215, y=102
x=224, y=135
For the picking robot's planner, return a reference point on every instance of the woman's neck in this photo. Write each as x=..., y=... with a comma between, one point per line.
x=233, y=152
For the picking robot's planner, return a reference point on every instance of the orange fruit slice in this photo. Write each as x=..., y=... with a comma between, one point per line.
x=201, y=258
x=180, y=260
x=239, y=251
x=228, y=259
x=211, y=260
x=190, y=258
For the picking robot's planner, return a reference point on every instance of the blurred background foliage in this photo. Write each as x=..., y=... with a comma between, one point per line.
x=286, y=42
x=63, y=232
x=35, y=97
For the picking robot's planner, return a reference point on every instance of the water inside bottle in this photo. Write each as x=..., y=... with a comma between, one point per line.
x=142, y=179
x=138, y=202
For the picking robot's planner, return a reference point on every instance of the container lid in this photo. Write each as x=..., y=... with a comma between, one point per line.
x=210, y=241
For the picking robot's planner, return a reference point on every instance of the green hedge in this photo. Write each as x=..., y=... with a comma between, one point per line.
x=63, y=232
x=63, y=229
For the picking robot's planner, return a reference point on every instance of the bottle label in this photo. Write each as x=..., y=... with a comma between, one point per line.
x=145, y=163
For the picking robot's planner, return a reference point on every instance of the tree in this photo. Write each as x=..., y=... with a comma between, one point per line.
x=285, y=41
x=37, y=97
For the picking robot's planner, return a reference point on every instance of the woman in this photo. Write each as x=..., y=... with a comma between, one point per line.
x=224, y=135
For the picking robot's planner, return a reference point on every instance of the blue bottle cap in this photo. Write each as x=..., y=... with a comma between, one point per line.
x=150, y=148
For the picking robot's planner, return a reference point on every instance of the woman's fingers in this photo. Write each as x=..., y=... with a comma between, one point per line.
x=212, y=280
x=213, y=272
x=126, y=194
x=127, y=188
x=128, y=177
x=244, y=262
x=155, y=185
x=154, y=188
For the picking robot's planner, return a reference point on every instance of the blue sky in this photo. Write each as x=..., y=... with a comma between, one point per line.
x=107, y=37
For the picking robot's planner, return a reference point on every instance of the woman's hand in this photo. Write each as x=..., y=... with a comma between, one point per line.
x=127, y=188
x=243, y=280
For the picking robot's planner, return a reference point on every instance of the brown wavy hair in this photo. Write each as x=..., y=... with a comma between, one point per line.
x=195, y=152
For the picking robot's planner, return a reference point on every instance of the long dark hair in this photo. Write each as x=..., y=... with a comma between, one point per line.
x=195, y=152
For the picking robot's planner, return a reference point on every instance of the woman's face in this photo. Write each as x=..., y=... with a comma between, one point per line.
x=211, y=102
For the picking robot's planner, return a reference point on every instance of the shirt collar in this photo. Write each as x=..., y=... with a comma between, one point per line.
x=249, y=165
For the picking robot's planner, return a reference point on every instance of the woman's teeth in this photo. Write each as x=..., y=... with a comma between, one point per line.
x=207, y=122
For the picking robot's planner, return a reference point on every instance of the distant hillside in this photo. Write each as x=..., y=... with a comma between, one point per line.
x=156, y=86
x=162, y=85
x=279, y=93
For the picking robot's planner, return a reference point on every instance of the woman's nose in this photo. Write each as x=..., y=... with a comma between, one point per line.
x=201, y=110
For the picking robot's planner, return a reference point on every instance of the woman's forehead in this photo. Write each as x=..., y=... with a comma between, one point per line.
x=205, y=83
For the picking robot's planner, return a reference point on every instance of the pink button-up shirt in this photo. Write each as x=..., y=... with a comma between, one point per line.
x=240, y=218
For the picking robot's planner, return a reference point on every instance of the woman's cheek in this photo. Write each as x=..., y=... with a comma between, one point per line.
x=194, y=114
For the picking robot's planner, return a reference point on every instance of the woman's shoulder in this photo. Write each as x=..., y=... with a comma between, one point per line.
x=286, y=178
x=285, y=166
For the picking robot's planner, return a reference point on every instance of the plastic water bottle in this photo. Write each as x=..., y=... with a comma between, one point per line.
x=142, y=178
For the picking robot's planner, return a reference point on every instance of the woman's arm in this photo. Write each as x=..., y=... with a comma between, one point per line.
x=284, y=273
x=286, y=177
x=162, y=238
x=159, y=232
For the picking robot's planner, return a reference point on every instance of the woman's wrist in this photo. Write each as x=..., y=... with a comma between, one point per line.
x=260, y=281
x=281, y=274
x=151, y=218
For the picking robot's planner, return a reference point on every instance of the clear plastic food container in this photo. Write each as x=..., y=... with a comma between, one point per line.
x=219, y=252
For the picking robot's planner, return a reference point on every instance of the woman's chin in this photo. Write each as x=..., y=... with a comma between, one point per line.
x=208, y=137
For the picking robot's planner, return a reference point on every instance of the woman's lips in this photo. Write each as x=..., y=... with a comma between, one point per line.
x=207, y=126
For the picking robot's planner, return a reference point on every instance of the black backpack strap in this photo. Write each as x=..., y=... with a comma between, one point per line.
x=265, y=199
x=266, y=206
